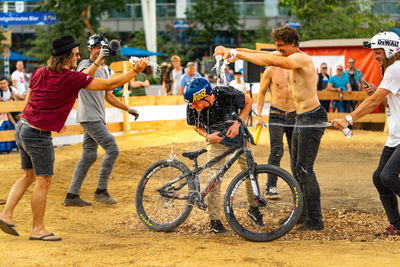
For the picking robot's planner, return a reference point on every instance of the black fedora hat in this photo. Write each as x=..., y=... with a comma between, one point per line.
x=63, y=44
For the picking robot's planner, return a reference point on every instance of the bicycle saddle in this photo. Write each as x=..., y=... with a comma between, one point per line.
x=193, y=155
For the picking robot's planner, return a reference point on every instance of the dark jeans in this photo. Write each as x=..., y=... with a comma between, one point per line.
x=276, y=141
x=305, y=145
x=387, y=182
x=325, y=104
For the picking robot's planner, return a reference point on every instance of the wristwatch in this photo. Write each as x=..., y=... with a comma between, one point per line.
x=349, y=119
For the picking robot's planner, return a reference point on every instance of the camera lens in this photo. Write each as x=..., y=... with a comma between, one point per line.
x=114, y=46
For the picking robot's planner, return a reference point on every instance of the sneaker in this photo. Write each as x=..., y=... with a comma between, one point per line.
x=76, y=202
x=271, y=193
x=391, y=230
x=310, y=226
x=255, y=215
x=217, y=227
x=104, y=198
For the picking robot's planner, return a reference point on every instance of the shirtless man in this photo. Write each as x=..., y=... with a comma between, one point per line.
x=303, y=87
x=282, y=111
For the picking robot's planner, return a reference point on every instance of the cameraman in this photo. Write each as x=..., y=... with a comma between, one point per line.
x=91, y=116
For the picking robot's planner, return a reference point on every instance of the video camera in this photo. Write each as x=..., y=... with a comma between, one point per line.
x=113, y=45
x=366, y=44
x=101, y=39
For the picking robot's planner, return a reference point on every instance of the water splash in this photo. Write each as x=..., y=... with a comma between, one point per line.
x=219, y=69
x=155, y=67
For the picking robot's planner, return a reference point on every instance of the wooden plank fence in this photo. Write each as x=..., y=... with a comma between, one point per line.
x=126, y=125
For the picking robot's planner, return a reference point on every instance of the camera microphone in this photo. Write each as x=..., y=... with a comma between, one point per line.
x=114, y=46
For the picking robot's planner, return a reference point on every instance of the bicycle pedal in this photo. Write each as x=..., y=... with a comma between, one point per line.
x=202, y=206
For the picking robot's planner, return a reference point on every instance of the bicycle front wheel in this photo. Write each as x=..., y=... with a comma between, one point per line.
x=282, y=211
x=164, y=210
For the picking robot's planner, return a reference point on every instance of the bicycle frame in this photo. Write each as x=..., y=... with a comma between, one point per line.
x=194, y=174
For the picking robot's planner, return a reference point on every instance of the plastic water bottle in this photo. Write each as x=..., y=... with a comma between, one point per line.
x=347, y=132
x=257, y=134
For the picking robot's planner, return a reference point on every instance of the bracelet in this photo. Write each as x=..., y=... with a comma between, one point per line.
x=95, y=64
x=135, y=71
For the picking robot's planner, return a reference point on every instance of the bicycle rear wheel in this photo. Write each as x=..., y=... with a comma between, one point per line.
x=163, y=213
x=279, y=215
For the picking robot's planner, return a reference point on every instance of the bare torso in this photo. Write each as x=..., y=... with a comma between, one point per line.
x=303, y=83
x=280, y=95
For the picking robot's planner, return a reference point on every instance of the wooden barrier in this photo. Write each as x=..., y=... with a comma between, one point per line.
x=126, y=125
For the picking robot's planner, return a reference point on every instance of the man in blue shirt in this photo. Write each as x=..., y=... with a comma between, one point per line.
x=340, y=83
x=355, y=78
x=189, y=75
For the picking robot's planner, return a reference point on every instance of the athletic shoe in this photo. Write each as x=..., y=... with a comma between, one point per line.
x=217, y=227
x=76, y=202
x=271, y=193
x=391, y=230
x=104, y=198
x=255, y=215
x=311, y=226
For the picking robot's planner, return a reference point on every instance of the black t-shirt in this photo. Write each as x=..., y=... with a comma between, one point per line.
x=218, y=117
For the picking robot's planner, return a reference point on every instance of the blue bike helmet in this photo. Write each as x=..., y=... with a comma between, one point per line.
x=197, y=89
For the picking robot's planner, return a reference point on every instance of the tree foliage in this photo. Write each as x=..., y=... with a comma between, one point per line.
x=211, y=17
x=262, y=34
x=78, y=18
x=330, y=19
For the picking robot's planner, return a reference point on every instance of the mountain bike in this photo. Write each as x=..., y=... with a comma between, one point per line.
x=168, y=190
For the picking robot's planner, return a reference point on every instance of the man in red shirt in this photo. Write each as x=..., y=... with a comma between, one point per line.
x=53, y=91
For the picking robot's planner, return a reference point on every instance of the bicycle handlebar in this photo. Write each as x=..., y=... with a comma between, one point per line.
x=247, y=132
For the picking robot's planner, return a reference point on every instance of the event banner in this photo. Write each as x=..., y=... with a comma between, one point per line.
x=28, y=18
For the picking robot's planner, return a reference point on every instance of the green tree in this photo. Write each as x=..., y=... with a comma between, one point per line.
x=330, y=19
x=211, y=17
x=78, y=18
x=262, y=34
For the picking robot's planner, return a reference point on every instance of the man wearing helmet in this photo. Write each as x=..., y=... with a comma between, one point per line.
x=91, y=116
x=302, y=83
x=210, y=112
x=386, y=47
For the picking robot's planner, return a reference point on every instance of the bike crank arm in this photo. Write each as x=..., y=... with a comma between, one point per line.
x=173, y=195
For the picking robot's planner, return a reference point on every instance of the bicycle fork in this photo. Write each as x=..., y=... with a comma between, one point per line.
x=253, y=180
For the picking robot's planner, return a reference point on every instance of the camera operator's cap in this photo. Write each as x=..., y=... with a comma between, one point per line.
x=388, y=41
x=97, y=40
x=63, y=44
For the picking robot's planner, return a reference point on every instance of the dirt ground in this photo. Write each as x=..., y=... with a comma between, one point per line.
x=100, y=234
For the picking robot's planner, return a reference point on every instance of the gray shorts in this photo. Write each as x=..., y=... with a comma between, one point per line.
x=35, y=149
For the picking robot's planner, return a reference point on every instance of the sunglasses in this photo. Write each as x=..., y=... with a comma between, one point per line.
x=339, y=69
x=324, y=68
x=351, y=62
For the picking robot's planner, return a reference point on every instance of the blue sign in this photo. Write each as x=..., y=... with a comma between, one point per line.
x=28, y=18
x=293, y=24
x=181, y=25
